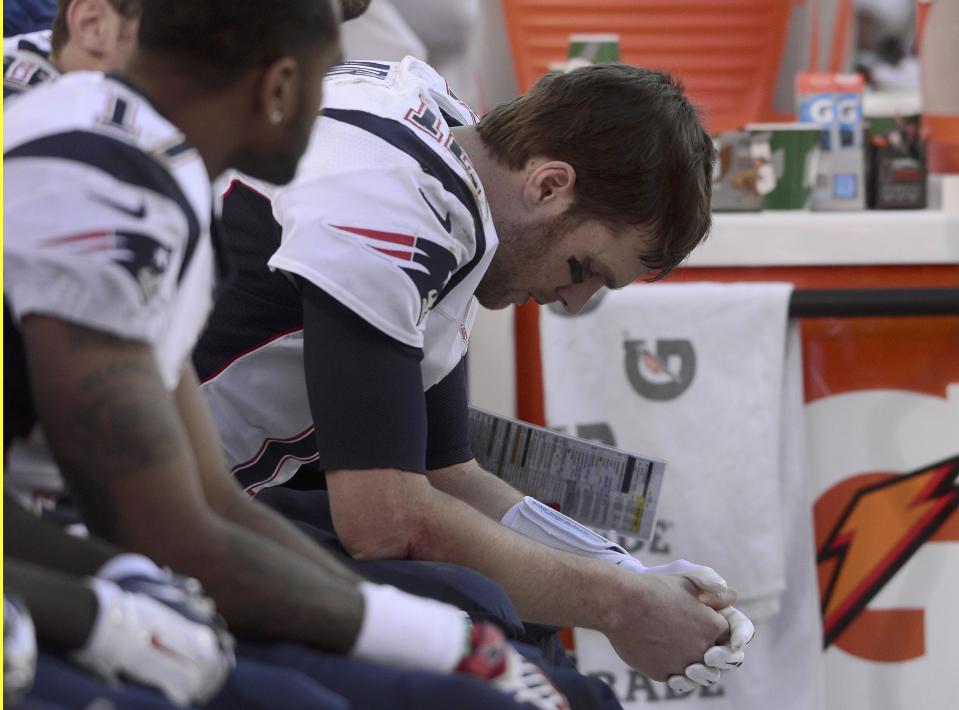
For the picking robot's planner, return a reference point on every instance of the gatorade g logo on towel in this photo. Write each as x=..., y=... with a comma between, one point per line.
x=870, y=525
x=662, y=374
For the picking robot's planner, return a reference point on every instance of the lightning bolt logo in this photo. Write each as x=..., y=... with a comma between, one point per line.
x=879, y=531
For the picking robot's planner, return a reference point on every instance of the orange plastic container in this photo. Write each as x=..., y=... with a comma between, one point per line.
x=938, y=51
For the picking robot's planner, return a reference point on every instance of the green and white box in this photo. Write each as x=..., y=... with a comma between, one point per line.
x=594, y=48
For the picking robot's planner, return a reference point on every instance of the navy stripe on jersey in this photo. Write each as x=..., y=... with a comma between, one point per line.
x=403, y=138
x=177, y=149
x=375, y=70
x=29, y=46
x=262, y=467
x=450, y=120
x=120, y=160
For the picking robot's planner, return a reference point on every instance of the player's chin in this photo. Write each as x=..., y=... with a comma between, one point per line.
x=497, y=302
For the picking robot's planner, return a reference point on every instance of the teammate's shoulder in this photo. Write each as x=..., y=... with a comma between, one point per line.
x=31, y=44
x=454, y=110
x=26, y=62
x=87, y=102
x=387, y=88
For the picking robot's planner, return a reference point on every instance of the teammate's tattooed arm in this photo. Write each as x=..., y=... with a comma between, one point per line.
x=225, y=496
x=127, y=457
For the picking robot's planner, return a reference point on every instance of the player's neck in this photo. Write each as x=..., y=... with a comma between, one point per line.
x=70, y=58
x=499, y=182
x=194, y=111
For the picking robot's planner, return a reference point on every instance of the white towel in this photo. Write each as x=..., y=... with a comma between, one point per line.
x=784, y=662
x=691, y=373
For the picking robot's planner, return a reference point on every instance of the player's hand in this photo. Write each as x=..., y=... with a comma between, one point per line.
x=491, y=658
x=714, y=593
x=725, y=657
x=661, y=626
x=718, y=658
x=142, y=638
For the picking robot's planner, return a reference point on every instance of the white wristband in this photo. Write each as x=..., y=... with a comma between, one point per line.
x=406, y=631
x=539, y=522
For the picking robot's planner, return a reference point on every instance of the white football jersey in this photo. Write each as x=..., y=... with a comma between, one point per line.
x=26, y=62
x=107, y=218
x=386, y=215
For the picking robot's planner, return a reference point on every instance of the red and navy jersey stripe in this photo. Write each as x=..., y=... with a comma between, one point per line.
x=402, y=138
x=124, y=162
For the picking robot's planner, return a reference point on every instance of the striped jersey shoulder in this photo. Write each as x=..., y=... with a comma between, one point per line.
x=87, y=123
x=108, y=213
x=27, y=63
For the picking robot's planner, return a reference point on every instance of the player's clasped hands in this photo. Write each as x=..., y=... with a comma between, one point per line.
x=706, y=589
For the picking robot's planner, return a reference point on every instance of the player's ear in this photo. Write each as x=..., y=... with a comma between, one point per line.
x=549, y=184
x=279, y=87
x=88, y=25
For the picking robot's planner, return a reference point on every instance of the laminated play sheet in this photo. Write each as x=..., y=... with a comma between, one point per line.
x=597, y=485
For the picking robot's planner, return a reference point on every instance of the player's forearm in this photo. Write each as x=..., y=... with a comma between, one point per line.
x=477, y=487
x=264, y=590
x=62, y=607
x=29, y=538
x=127, y=457
x=261, y=520
x=546, y=585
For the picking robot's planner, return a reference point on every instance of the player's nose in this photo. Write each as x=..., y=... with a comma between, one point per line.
x=576, y=296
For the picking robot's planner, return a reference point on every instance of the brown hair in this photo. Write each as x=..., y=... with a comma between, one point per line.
x=641, y=156
x=220, y=40
x=127, y=9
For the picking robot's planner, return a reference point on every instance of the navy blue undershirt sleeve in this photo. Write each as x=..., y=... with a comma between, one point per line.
x=447, y=417
x=365, y=389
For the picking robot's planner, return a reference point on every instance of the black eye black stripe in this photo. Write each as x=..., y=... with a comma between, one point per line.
x=575, y=270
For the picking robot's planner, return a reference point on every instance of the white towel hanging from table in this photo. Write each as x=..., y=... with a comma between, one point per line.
x=704, y=376
x=691, y=373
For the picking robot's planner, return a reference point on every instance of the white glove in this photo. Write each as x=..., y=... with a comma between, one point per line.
x=19, y=650
x=142, y=639
x=136, y=573
x=539, y=522
x=717, y=658
x=706, y=578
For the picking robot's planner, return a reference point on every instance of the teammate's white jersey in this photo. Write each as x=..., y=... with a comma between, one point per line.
x=26, y=62
x=386, y=215
x=107, y=218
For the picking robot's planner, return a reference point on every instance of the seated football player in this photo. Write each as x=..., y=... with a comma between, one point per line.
x=335, y=360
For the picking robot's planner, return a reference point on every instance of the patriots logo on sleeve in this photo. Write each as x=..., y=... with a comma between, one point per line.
x=427, y=264
x=140, y=255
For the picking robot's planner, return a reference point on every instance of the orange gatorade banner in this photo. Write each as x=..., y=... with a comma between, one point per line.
x=882, y=458
x=882, y=432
